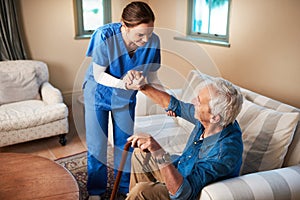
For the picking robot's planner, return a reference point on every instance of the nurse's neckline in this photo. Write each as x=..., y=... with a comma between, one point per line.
x=128, y=43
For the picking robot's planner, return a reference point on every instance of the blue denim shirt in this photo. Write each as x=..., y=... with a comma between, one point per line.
x=207, y=160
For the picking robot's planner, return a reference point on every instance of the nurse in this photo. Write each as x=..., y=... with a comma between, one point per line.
x=115, y=49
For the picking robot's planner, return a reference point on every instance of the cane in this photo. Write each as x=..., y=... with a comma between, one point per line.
x=121, y=167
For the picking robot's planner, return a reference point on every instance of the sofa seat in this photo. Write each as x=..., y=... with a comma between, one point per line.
x=30, y=113
x=165, y=130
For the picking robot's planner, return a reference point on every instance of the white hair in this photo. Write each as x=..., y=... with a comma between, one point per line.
x=226, y=100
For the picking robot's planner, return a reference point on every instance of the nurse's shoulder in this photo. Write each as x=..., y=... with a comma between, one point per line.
x=107, y=30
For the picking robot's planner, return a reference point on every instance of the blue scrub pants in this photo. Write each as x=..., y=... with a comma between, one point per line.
x=96, y=120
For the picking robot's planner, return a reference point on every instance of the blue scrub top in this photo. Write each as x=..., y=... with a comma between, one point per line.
x=107, y=48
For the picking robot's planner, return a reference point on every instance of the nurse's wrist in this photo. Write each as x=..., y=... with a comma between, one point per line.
x=122, y=85
x=125, y=86
x=135, y=85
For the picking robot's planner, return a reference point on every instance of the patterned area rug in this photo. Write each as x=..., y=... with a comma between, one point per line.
x=77, y=165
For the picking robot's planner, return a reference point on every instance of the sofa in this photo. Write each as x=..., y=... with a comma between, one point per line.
x=271, y=137
x=30, y=107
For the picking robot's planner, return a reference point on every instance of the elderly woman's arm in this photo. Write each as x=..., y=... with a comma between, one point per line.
x=160, y=97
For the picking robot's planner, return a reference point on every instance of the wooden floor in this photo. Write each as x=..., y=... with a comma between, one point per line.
x=50, y=147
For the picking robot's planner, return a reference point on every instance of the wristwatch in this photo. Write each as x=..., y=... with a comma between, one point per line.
x=166, y=158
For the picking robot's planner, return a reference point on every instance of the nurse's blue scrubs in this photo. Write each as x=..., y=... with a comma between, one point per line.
x=107, y=48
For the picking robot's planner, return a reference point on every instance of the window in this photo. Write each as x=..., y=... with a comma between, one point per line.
x=208, y=21
x=90, y=15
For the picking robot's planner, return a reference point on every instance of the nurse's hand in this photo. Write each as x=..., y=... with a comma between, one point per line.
x=136, y=84
x=131, y=75
x=134, y=80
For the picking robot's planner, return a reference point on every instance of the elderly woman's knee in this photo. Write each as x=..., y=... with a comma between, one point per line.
x=149, y=191
x=142, y=189
x=145, y=186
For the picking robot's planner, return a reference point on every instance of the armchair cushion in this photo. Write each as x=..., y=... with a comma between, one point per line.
x=25, y=114
x=18, y=85
x=267, y=135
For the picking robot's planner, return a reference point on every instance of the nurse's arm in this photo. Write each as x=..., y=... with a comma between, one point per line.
x=106, y=79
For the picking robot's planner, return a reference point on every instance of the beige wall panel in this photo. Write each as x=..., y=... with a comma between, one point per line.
x=264, y=37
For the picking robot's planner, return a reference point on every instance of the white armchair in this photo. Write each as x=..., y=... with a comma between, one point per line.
x=30, y=107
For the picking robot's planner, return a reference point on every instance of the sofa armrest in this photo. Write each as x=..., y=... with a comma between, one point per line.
x=50, y=94
x=145, y=106
x=281, y=183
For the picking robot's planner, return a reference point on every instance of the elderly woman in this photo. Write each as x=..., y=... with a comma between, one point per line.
x=213, y=151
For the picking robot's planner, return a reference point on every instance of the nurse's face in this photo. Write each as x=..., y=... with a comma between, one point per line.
x=140, y=34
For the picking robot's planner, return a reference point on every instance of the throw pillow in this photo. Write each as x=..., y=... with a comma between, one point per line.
x=267, y=135
x=18, y=85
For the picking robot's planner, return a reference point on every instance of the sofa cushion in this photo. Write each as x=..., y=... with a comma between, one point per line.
x=30, y=113
x=165, y=130
x=267, y=135
x=292, y=157
x=18, y=85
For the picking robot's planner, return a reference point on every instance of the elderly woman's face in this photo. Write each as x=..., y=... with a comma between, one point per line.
x=201, y=104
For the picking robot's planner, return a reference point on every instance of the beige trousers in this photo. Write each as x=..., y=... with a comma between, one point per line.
x=146, y=182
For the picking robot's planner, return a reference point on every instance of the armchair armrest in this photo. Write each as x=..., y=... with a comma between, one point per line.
x=50, y=94
x=281, y=183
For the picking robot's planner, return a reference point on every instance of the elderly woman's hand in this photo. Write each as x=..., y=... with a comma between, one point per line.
x=146, y=143
x=171, y=113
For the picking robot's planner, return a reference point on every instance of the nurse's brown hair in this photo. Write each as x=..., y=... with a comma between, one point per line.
x=136, y=13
